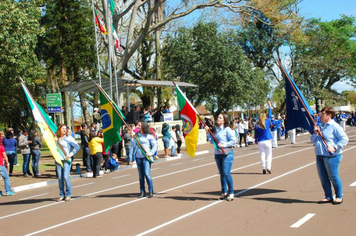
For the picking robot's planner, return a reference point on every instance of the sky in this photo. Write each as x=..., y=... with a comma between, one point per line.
x=328, y=10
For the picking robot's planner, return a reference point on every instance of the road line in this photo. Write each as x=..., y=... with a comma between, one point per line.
x=83, y=185
x=201, y=153
x=122, y=176
x=155, y=169
x=178, y=187
x=198, y=159
x=32, y=196
x=353, y=184
x=176, y=164
x=303, y=220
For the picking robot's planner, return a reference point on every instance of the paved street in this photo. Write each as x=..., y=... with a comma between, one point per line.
x=185, y=201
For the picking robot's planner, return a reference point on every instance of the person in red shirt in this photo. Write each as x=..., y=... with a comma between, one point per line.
x=4, y=172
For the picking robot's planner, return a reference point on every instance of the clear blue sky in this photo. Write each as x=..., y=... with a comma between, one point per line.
x=328, y=10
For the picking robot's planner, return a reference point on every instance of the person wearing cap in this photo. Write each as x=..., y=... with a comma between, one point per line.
x=25, y=151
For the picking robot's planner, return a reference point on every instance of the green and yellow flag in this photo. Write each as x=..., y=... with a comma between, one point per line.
x=111, y=121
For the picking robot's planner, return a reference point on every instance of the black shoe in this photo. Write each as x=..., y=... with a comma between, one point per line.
x=269, y=172
x=29, y=173
x=150, y=194
x=142, y=195
x=325, y=201
x=264, y=172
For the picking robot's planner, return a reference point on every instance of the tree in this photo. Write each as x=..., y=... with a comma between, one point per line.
x=327, y=56
x=68, y=46
x=18, y=39
x=213, y=61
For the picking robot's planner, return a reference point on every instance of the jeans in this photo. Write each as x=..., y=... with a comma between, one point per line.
x=328, y=171
x=173, y=149
x=5, y=176
x=279, y=134
x=224, y=164
x=25, y=165
x=86, y=155
x=165, y=142
x=36, y=154
x=88, y=159
x=63, y=176
x=144, y=171
x=128, y=150
x=11, y=156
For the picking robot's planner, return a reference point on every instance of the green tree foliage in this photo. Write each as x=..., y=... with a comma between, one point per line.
x=327, y=56
x=214, y=61
x=18, y=39
x=68, y=45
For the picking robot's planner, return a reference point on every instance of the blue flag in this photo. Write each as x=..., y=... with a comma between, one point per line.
x=298, y=110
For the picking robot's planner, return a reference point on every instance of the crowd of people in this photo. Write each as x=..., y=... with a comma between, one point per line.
x=140, y=140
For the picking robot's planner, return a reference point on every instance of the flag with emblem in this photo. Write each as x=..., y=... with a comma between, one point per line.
x=46, y=126
x=111, y=121
x=190, y=122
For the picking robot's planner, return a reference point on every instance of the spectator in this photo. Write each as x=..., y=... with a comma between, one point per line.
x=35, y=147
x=4, y=172
x=10, y=145
x=128, y=147
x=180, y=138
x=25, y=151
x=96, y=149
x=173, y=141
x=166, y=138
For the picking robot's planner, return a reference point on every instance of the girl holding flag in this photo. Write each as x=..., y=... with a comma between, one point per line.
x=67, y=143
x=147, y=148
x=224, y=141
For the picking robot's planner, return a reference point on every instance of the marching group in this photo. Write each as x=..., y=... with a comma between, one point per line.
x=141, y=140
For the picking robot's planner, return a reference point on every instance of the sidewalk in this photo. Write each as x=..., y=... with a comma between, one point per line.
x=48, y=176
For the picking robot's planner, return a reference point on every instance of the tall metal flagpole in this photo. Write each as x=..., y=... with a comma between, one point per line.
x=108, y=26
x=96, y=41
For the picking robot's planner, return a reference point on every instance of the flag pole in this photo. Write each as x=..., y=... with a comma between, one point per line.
x=35, y=104
x=301, y=100
x=96, y=42
x=200, y=119
x=122, y=119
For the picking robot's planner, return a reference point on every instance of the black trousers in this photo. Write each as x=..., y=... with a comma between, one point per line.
x=96, y=163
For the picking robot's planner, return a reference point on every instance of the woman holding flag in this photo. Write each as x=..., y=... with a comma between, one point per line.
x=328, y=157
x=147, y=147
x=67, y=142
x=224, y=140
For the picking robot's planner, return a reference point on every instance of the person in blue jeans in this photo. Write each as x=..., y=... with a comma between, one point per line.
x=25, y=151
x=328, y=156
x=35, y=146
x=4, y=172
x=224, y=155
x=148, y=145
x=70, y=148
x=128, y=147
x=166, y=138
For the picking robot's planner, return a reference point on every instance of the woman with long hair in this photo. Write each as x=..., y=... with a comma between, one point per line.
x=224, y=155
x=263, y=138
x=70, y=148
x=35, y=146
x=149, y=146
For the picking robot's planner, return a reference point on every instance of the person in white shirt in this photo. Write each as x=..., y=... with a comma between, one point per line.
x=173, y=141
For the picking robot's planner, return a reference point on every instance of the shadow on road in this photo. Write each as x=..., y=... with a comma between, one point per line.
x=283, y=200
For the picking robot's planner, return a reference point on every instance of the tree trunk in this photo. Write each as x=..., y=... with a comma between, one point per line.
x=84, y=105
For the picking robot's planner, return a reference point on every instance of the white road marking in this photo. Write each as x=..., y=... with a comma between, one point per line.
x=122, y=176
x=201, y=153
x=303, y=220
x=155, y=169
x=83, y=185
x=353, y=184
x=176, y=164
x=198, y=159
x=177, y=187
x=33, y=196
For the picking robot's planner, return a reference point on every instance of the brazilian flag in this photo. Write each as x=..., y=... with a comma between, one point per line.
x=111, y=120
